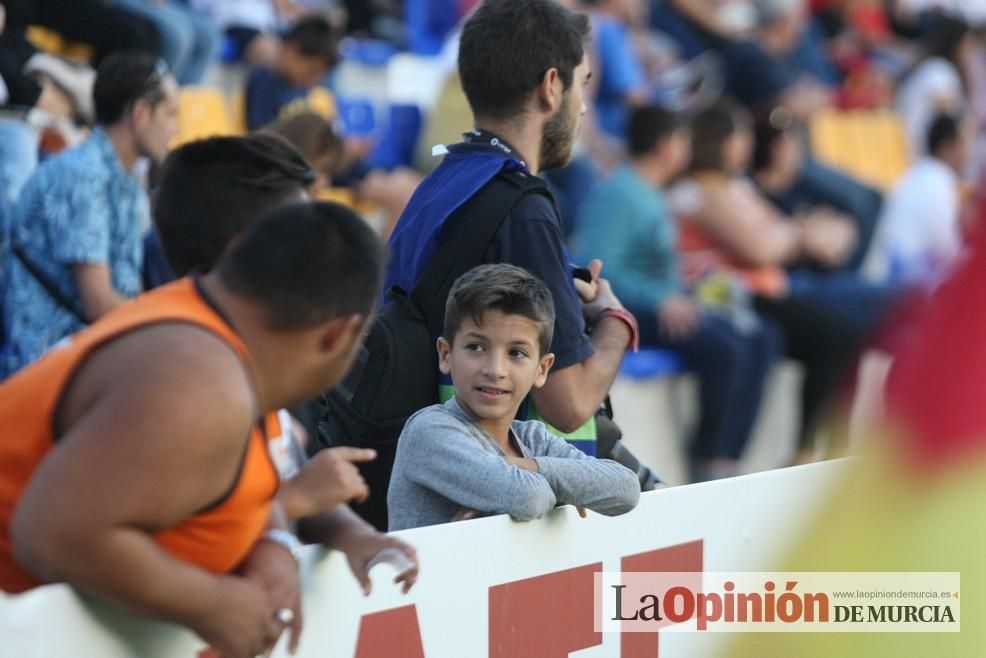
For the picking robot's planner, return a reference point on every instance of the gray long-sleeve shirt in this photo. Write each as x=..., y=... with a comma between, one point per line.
x=446, y=462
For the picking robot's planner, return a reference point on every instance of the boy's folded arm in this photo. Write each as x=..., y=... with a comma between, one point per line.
x=601, y=485
x=441, y=457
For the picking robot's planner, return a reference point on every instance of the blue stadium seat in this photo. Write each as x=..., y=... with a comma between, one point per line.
x=651, y=362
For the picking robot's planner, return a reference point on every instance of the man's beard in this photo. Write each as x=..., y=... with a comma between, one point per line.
x=557, y=139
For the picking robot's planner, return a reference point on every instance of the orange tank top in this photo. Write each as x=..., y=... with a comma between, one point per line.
x=217, y=538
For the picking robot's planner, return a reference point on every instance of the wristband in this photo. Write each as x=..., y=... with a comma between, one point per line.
x=287, y=540
x=630, y=321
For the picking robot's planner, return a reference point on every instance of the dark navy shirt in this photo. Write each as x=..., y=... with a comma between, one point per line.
x=530, y=237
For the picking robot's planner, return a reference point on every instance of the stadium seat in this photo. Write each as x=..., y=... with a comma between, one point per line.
x=869, y=145
x=202, y=112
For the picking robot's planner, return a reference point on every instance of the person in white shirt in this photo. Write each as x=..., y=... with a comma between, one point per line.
x=920, y=237
x=937, y=81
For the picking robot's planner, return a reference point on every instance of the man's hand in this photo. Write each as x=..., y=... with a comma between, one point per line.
x=828, y=238
x=589, y=289
x=362, y=546
x=678, y=317
x=241, y=621
x=325, y=481
x=273, y=568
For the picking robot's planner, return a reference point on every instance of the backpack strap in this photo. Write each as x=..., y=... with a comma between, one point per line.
x=469, y=232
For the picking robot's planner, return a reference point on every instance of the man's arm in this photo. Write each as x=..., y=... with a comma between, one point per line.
x=96, y=289
x=344, y=530
x=585, y=366
x=571, y=396
x=155, y=425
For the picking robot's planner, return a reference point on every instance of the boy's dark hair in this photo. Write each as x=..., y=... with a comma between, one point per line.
x=945, y=129
x=212, y=190
x=711, y=128
x=307, y=263
x=313, y=36
x=501, y=287
x=123, y=78
x=649, y=125
x=508, y=45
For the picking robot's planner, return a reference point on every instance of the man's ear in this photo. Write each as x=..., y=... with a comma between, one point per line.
x=551, y=91
x=338, y=333
x=544, y=366
x=140, y=114
x=444, y=355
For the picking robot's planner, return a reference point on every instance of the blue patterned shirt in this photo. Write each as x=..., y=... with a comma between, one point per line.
x=79, y=207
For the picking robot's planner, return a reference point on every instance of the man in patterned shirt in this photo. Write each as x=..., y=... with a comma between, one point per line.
x=76, y=233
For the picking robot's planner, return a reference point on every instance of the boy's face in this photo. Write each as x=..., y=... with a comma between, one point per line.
x=494, y=365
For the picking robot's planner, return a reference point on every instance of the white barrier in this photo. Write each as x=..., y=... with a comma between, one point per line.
x=489, y=587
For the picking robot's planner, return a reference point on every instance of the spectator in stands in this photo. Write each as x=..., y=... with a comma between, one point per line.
x=132, y=464
x=627, y=224
x=778, y=164
x=794, y=181
x=251, y=25
x=318, y=142
x=209, y=193
x=728, y=227
x=622, y=84
x=777, y=67
x=700, y=25
x=308, y=52
x=470, y=456
x=920, y=235
x=523, y=69
x=936, y=82
x=80, y=219
x=102, y=25
x=189, y=40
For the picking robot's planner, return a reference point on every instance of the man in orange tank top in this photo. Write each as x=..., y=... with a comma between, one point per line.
x=210, y=192
x=131, y=464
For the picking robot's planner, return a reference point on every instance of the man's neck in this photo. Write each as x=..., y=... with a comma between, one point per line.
x=651, y=170
x=524, y=137
x=250, y=325
x=124, y=145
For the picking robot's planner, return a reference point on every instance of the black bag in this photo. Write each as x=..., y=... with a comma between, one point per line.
x=396, y=372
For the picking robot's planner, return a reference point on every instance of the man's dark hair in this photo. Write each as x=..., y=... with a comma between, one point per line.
x=508, y=45
x=943, y=36
x=945, y=130
x=124, y=78
x=313, y=36
x=212, y=190
x=307, y=263
x=500, y=287
x=649, y=125
x=711, y=128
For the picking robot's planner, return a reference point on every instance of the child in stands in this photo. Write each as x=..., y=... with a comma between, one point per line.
x=469, y=456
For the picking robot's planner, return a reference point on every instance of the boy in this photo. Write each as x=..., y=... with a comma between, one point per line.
x=469, y=455
x=308, y=52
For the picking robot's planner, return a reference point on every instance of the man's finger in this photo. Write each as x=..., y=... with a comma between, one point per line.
x=596, y=266
x=355, y=454
x=362, y=492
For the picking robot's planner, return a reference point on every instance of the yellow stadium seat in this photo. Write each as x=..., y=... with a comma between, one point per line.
x=344, y=196
x=52, y=42
x=867, y=144
x=202, y=112
x=237, y=112
x=321, y=101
